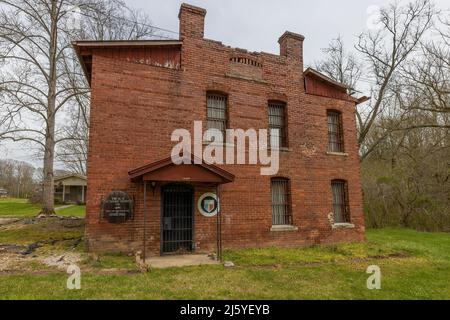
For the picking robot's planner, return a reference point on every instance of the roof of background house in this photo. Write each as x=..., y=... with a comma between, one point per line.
x=70, y=175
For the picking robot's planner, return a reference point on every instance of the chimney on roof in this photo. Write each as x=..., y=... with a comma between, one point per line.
x=291, y=46
x=192, y=21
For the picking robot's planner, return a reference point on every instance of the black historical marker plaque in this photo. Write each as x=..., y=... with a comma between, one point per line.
x=118, y=207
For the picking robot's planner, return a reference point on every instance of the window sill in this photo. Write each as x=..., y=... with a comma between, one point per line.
x=282, y=228
x=215, y=144
x=280, y=149
x=343, y=226
x=342, y=154
x=232, y=145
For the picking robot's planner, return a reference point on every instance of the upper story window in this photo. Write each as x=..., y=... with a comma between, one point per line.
x=281, y=208
x=335, y=131
x=277, y=125
x=216, y=112
x=341, y=208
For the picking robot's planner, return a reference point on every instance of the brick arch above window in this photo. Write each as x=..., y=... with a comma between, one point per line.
x=275, y=96
x=216, y=87
x=217, y=93
x=334, y=110
x=281, y=176
x=278, y=101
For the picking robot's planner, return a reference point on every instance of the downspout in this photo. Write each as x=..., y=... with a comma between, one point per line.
x=219, y=225
x=145, y=220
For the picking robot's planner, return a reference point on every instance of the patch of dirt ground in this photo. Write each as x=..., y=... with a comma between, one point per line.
x=33, y=252
x=62, y=261
x=43, y=245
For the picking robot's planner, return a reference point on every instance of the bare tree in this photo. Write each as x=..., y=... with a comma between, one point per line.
x=31, y=52
x=404, y=131
x=426, y=82
x=340, y=65
x=406, y=179
x=73, y=152
x=40, y=80
x=102, y=20
x=113, y=20
x=17, y=177
x=385, y=51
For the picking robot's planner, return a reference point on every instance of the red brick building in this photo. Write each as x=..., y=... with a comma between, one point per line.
x=143, y=90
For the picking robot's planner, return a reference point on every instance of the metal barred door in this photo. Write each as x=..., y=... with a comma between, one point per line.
x=177, y=218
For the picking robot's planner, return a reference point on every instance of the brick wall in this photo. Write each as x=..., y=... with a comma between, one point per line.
x=135, y=108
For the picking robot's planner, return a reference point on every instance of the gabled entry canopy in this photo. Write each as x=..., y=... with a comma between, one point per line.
x=166, y=171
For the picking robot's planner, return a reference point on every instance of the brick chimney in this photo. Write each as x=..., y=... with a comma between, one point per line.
x=291, y=46
x=192, y=21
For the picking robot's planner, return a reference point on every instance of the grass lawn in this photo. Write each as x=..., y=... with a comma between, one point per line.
x=413, y=265
x=17, y=208
x=73, y=211
x=21, y=208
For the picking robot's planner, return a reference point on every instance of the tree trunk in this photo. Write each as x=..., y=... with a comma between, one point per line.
x=48, y=201
x=48, y=197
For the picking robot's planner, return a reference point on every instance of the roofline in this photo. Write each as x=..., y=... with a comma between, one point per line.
x=362, y=99
x=289, y=34
x=138, y=172
x=193, y=9
x=124, y=43
x=77, y=50
x=106, y=44
x=325, y=78
x=69, y=176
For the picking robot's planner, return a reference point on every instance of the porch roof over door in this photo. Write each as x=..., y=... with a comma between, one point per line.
x=166, y=171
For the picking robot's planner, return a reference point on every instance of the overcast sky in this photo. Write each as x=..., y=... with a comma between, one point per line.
x=256, y=25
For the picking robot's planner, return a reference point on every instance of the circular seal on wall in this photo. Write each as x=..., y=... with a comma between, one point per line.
x=208, y=204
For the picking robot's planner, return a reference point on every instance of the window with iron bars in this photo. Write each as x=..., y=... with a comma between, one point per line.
x=277, y=125
x=216, y=113
x=335, y=131
x=281, y=199
x=341, y=208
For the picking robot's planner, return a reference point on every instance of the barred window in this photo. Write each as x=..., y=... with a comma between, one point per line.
x=335, y=131
x=216, y=113
x=341, y=208
x=281, y=208
x=277, y=125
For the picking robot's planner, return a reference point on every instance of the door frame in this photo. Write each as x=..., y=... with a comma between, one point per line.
x=161, y=231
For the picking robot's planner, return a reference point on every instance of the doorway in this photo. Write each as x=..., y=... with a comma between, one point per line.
x=177, y=219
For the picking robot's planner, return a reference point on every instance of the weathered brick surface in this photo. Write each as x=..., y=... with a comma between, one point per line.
x=135, y=108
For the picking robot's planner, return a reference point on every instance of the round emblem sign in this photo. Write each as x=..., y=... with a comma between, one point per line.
x=208, y=204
